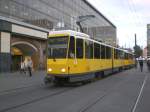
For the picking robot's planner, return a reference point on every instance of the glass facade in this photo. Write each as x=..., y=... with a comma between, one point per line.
x=51, y=14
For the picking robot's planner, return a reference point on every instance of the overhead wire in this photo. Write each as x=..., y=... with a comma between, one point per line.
x=139, y=23
x=133, y=12
x=139, y=17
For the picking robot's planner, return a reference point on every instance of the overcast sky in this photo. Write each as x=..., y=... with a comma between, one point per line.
x=129, y=16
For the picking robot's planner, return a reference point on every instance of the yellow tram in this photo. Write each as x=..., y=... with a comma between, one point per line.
x=74, y=57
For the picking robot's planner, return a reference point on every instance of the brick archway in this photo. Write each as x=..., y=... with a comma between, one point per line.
x=26, y=43
x=28, y=50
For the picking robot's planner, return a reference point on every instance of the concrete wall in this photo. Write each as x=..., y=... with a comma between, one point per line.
x=5, y=56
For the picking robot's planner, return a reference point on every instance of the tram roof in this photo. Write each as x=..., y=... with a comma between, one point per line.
x=69, y=32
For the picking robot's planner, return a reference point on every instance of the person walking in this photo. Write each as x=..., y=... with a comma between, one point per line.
x=136, y=63
x=22, y=67
x=29, y=66
x=141, y=63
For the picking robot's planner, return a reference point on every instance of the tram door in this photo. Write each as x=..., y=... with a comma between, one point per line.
x=79, y=55
x=75, y=55
x=71, y=55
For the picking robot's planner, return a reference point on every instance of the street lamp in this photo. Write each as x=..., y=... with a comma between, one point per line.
x=81, y=19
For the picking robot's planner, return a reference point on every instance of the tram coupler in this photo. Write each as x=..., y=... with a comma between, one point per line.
x=47, y=80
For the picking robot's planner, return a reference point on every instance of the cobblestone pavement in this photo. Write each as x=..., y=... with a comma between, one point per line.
x=16, y=80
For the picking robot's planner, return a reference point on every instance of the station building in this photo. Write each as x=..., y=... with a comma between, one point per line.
x=148, y=40
x=25, y=25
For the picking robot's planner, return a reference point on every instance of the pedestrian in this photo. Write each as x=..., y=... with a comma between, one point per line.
x=148, y=64
x=141, y=63
x=22, y=67
x=136, y=63
x=72, y=54
x=29, y=66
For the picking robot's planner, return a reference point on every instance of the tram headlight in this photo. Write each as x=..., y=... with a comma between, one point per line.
x=63, y=70
x=49, y=69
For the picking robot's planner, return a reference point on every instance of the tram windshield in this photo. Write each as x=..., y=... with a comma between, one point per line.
x=57, y=47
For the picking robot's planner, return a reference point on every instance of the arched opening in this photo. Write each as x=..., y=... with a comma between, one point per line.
x=21, y=51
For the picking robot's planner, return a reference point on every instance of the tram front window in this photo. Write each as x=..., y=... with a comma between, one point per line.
x=57, y=47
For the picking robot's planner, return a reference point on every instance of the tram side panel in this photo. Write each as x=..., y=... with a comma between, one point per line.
x=118, y=61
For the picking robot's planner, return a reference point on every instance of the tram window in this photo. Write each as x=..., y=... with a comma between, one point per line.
x=71, y=48
x=79, y=48
x=102, y=52
x=87, y=49
x=57, y=47
x=116, y=54
x=91, y=50
x=131, y=56
x=96, y=51
x=108, y=52
x=126, y=55
x=121, y=56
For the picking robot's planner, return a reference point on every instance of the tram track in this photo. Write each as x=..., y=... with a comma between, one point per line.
x=98, y=99
x=9, y=91
x=47, y=96
x=95, y=101
x=36, y=99
x=53, y=91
